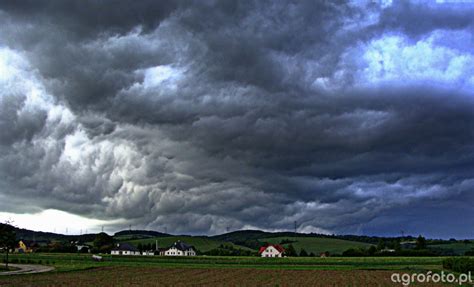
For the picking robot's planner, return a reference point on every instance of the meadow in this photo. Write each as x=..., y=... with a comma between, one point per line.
x=317, y=245
x=203, y=244
x=458, y=248
x=72, y=261
x=206, y=270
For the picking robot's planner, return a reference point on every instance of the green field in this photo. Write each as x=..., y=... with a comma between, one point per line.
x=457, y=247
x=80, y=270
x=310, y=244
x=202, y=244
x=68, y=262
x=318, y=245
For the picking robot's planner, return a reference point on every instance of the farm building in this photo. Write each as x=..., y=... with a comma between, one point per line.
x=28, y=246
x=148, y=253
x=271, y=250
x=24, y=247
x=179, y=248
x=125, y=249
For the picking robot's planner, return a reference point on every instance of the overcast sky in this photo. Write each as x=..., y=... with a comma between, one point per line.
x=201, y=116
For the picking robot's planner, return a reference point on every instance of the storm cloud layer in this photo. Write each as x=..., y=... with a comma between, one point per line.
x=203, y=116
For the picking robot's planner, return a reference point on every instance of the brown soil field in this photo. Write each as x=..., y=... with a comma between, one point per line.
x=150, y=276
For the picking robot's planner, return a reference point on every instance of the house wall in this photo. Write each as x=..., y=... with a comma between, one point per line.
x=125, y=252
x=271, y=252
x=174, y=252
x=23, y=247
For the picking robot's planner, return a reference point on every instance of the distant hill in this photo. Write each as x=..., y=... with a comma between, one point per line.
x=242, y=235
x=316, y=245
x=50, y=236
x=251, y=240
x=452, y=248
x=138, y=234
x=202, y=243
x=311, y=242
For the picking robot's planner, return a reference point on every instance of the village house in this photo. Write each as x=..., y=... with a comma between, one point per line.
x=179, y=248
x=26, y=246
x=271, y=250
x=23, y=247
x=125, y=249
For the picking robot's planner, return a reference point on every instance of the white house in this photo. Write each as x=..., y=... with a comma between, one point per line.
x=125, y=249
x=272, y=250
x=179, y=249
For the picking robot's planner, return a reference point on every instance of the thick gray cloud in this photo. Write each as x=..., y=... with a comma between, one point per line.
x=198, y=116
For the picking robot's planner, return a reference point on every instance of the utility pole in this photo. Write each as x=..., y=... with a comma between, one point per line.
x=102, y=228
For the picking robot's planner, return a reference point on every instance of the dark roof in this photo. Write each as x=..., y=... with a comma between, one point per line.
x=276, y=246
x=181, y=246
x=125, y=247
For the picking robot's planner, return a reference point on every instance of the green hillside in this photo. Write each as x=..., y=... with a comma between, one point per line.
x=458, y=248
x=203, y=244
x=317, y=245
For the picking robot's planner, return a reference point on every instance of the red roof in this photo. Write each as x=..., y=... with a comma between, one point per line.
x=276, y=246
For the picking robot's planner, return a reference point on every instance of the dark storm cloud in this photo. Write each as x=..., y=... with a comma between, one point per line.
x=420, y=18
x=198, y=116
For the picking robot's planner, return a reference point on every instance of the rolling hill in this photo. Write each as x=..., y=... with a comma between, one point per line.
x=202, y=243
x=317, y=245
x=454, y=248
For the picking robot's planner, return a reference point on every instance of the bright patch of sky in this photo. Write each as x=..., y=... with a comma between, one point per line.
x=52, y=220
x=396, y=59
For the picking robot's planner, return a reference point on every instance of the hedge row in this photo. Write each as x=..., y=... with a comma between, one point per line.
x=459, y=264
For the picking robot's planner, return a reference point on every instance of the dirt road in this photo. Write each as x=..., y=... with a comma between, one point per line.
x=27, y=269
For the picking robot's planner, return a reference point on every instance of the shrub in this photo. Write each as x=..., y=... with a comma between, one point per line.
x=460, y=264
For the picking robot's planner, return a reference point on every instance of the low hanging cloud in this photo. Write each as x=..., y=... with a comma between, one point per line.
x=203, y=116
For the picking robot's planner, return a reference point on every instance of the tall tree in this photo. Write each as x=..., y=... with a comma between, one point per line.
x=290, y=251
x=103, y=242
x=303, y=253
x=420, y=242
x=381, y=245
x=7, y=239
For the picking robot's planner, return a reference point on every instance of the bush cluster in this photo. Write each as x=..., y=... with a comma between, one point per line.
x=459, y=264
